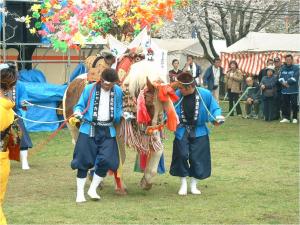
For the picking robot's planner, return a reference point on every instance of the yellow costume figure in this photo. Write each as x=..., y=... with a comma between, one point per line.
x=6, y=119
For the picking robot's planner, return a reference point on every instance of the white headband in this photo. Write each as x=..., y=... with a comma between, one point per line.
x=107, y=82
x=4, y=66
x=187, y=83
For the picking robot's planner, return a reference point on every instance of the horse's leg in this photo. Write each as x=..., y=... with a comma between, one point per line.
x=120, y=187
x=151, y=169
x=74, y=133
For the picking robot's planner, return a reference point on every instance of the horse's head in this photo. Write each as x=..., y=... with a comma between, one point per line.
x=98, y=63
x=147, y=83
x=131, y=56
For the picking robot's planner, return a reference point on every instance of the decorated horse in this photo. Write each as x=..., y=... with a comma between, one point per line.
x=148, y=106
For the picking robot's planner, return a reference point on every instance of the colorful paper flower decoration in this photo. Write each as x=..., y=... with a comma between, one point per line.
x=69, y=24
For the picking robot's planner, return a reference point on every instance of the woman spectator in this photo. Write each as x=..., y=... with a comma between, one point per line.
x=233, y=80
x=268, y=87
x=175, y=71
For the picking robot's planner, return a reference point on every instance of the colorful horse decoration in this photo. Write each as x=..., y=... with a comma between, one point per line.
x=148, y=101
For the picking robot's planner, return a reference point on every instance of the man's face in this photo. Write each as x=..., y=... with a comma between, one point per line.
x=176, y=65
x=249, y=82
x=217, y=63
x=106, y=85
x=189, y=60
x=277, y=64
x=289, y=61
x=186, y=90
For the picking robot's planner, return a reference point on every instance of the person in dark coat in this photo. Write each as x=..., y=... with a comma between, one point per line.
x=175, y=71
x=289, y=79
x=268, y=87
x=277, y=100
x=252, y=98
x=263, y=72
x=212, y=77
x=191, y=148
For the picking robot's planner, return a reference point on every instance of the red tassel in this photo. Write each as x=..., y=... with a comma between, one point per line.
x=143, y=161
x=142, y=113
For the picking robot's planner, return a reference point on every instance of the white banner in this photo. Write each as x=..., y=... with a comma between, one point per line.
x=116, y=47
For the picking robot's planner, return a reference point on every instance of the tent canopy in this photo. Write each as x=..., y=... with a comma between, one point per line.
x=187, y=46
x=265, y=42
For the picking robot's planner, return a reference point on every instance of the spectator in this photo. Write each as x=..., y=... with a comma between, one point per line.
x=252, y=98
x=233, y=80
x=263, y=72
x=289, y=79
x=194, y=69
x=268, y=87
x=212, y=77
x=277, y=100
x=175, y=71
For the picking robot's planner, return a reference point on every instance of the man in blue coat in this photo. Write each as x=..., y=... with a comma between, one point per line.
x=212, y=77
x=99, y=108
x=289, y=79
x=191, y=148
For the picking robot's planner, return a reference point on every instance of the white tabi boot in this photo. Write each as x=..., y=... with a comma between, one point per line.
x=92, y=192
x=183, y=187
x=24, y=161
x=194, y=189
x=80, y=190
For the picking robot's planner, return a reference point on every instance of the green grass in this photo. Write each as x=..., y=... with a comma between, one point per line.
x=255, y=179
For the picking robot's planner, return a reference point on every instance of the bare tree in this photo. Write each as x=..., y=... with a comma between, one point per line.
x=230, y=20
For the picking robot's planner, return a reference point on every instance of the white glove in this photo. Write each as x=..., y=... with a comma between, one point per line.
x=78, y=115
x=281, y=80
x=128, y=116
x=293, y=79
x=220, y=119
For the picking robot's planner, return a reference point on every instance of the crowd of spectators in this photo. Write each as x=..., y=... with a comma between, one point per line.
x=270, y=95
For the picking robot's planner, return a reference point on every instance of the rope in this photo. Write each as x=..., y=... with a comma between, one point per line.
x=238, y=101
x=41, y=122
x=41, y=106
x=206, y=108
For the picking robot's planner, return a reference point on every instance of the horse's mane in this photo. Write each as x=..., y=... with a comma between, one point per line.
x=137, y=76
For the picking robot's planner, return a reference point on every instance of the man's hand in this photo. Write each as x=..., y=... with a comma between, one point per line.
x=262, y=87
x=128, y=116
x=249, y=100
x=285, y=84
x=219, y=120
x=78, y=115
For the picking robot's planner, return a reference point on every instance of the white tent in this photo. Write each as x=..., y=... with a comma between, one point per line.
x=252, y=51
x=263, y=42
x=179, y=48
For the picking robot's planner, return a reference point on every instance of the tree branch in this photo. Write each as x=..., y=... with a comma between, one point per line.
x=224, y=25
x=210, y=34
x=206, y=53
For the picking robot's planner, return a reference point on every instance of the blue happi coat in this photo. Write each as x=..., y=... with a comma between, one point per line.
x=83, y=101
x=201, y=128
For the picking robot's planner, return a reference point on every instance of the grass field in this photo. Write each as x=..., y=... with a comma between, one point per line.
x=255, y=180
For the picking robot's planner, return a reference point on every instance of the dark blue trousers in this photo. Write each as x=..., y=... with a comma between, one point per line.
x=25, y=140
x=191, y=157
x=100, y=151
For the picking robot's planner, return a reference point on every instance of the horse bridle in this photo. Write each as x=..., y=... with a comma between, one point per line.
x=105, y=56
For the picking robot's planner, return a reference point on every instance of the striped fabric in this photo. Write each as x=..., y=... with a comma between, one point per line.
x=251, y=63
